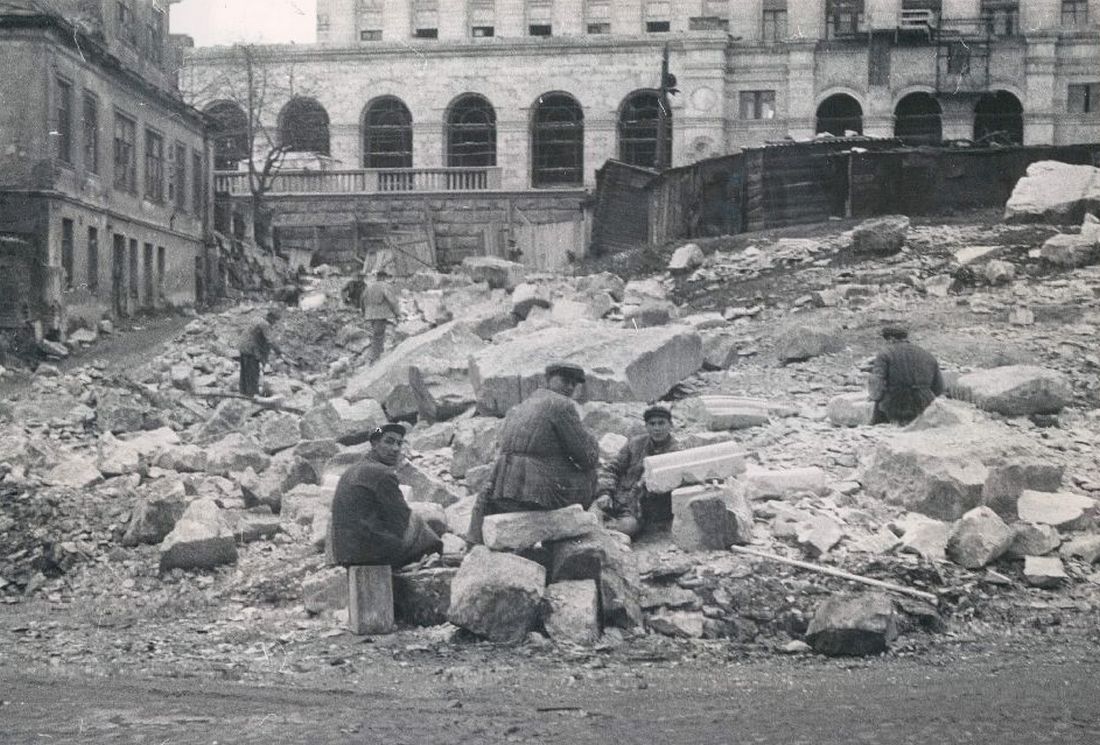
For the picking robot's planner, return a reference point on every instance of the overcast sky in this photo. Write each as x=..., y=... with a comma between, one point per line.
x=213, y=22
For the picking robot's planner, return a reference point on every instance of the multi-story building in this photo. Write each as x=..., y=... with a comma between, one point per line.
x=104, y=170
x=532, y=96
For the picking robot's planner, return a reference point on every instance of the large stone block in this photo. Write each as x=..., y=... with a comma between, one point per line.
x=279, y=432
x=1033, y=539
x=853, y=626
x=701, y=521
x=116, y=458
x=850, y=410
x=475, y=444
x=183, y=458
x=943, y=412
x=1063, y=510
x=734, y=412
x=118, y=412
x=1006, y=481
x=761, y=483
x=234, y=453
x=1086, y=548
x=426, y=486
x=154, y=517
x=438, y=396
x=200, y=540
x=880, y=236
x=686, y=257
x=497, y=273
x=980, y=537
x=1014, y=390
x=621, y=364
x=75, y=472
x=285, y=472
x=1054, y=192
x=603, y=558
x=669, y=471
x=423, y=597
x=497, y=595
x=571, y=612
x=459, y=515
x=1044, y=571
x=803, y=342
x=514, y=531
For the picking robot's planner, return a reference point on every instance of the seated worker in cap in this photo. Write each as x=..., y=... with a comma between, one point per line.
x=547, y=458
x=371, y=523
x=623, y=502
x=904, y=379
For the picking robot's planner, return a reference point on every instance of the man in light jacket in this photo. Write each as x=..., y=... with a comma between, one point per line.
x=380, y=307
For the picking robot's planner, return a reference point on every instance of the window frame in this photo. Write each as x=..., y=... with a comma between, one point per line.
x=557, y=136
x=90, y=131
x=375, y=133
x=756, y=100
x=127, y=180
x=457, y=153
x=178, y=176
x=154, y=165
x=63, y=119
x=1075, y=13
x=1090, y=98
x=93, y=259
x=68, y=249
x=775, y=19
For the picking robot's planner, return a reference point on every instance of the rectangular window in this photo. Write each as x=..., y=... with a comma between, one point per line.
x=482, y=32
x=125, y=154
x=160, y=272
x=90, y=122
x=156, y=37
x=843, y=18
x=178, y=185
x=425, y=19
x=1001, y=17
x=426, y=33
x=597, y=16
x=599, y=28
x=1084, y=98
x=539, y=17
x=147, y=272
x=958, y=58
x=133, y=266
x=198, y=191
x=93, y=259
x=370, y=34
x=708, y=23
x=64, y=121
x=67, y=253
x=657, y=27
x=775, y=26
x=482, y=18
x=540, y=29
x=757, y=104
x=1075, y=13
x=154, y=166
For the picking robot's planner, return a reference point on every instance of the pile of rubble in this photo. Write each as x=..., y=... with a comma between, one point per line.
x=164, y=472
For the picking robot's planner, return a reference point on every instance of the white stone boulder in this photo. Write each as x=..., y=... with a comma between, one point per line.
x=475, y=443
x=279, y=432
x=663, y=473
x=514, y=531
x=1007, y=481
x=497, y=273
x=497, y=595
x=850, y=410
x=200, y=540
x=819, y=535
x=527, y=296
x=998, y=272
x=853, y=626
x=1063, y=510
x=926, y=538
x=156, y=515
x=571, y=611
x=234, y=453
x=1069, y=251
x=610, y=445
x=686, y=257
x=621, y=364
x=181, y=377
x=1054, y=192
x=943, y=412
x=75, y=472
x=703, y=521
x=762, y=483
x=1014, y=390
x=980, y=537
x=804, y=342
x=116, y=458
x=1033, y=539
x=1085, y=547
x=1044, y=571
x=720, y=350
x=880, y=236
x=601, y=557
x=183, y=458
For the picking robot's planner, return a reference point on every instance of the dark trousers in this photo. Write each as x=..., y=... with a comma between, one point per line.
x=250, y=375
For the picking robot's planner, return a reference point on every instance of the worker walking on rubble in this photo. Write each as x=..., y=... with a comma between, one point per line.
x=905, y=379
x=371, y=522
x=256, y=344
x=380, y=306
x=622, y=501
x=547, y=458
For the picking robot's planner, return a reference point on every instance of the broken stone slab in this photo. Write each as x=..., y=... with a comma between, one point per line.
x=497, y=595
x=1063, y=510
x=426, y=486
x=1055, y=193
x=515, y=531
x=234, y=453
x=943, y=412
x=980, y=537
x=610, y=562
x=719, y=350
x=701, y=521
x=761, y=483
x=1006, y=481
x=251, y=525
x=1069, y=251
x=880, y=236
x=1014, y=390
x=611, y=444
x=734, y=412
x=853, y=626
x=819, y=535
x=118, y=411
x=325, y=590
x=341, y=420
x=571, y=612
x=280, y=432
x=181, y=377
x=116, y=458
x=850, y=410
x=685, y=258
x=998, y=272
x=638, y=291
x=1033, y=539
x=431, y=513
x=677, y=623
x=301, y=503
x=803, y=342
x=1086, y=548
x=154, y=517
x=285, y=472
x=183, y=458
x=75, y=472
x=526, y=296
x=881, y=541
x=438, y=396
x=942, y=472
x=669, y=471
x=459, y=514
x=200, y=540
x=475, y=443
x=1044, y=571
x=229, y=417
x=927, y=538
x=422, y=597
x=621, y=364
x=435, y=436
x=497, y=273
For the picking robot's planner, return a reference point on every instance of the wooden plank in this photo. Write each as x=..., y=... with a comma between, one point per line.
x=370, y=599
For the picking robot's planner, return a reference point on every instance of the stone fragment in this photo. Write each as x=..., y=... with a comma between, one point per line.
x=719, y=350
x=676, y=623
x=734, y=412
x=1033, y=539
x=571, y=612
x=118, y=412
x=686, y=257
x=1090, y=228
x=475, y=443
x=611, y=444
x=514, y=531
x=183, y=458
x=497, y=595
x=497, y=273
x=669, y=471
x=819, y=535
x=426, y=486
x=1014, y=390
x=234, y=453
x=701, y=521
x=850, y=410
x=608, y=561
x=638, y=291
x=882, y=541
x=607, y=282
x=766, y=484
x=943, y=412
x=927, y=538
x=1069, y=251
x=153, y=518
x=325, y=590
x=1055, y=193
x=422, y=597
x=459, y=514
x=431, y=513
x=853, y=626
x=116, y=458
x=280, y=432
x=980, y=537
x=880, y=236
x=251, y=525
x=998, y=272
x=1044, y=571
x=439, y=394
x=804, y=342
x=75, y=472
x=1086, y=548
x=527, y=296
x=1063, y=510
x=200, y=540
x=1006, y=481
x=621, y=364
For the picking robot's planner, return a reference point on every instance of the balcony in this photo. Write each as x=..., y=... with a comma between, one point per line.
x=366, y=181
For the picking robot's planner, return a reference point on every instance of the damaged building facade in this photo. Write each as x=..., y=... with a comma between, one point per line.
x=104, y=182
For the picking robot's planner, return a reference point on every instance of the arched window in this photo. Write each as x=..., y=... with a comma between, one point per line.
x=471, y=133
x=303, y=127
x=839, y=113
x=229, y=130
x=999, y=119
x=917, y=120
x=557, y=141
x=639, y=130
x=387, y=134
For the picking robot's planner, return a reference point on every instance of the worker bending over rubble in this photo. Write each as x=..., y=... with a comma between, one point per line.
x=371, y=522
x=547, y=458
x=623, y=502
x=380, y=307
x=256, y=344
x=904, y=379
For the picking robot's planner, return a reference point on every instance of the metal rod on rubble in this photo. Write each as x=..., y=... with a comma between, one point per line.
x=926, y=596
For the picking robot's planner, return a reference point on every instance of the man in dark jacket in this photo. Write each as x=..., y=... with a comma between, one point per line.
x=904, y=379
x=371, y=523
x=547, y=458
x=623, y=501
x=256, y=344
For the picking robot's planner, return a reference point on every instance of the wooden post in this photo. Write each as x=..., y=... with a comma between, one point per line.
x=370, y=599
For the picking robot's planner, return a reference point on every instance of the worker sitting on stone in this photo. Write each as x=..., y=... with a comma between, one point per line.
x=371, y=522
x=623, y=502
x=904, y=379
x=256, y=344
x=547, y=458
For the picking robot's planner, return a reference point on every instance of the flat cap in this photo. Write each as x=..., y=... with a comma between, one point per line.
x=388, y=427
x=566, y=370
x=894, y=331
x=655, y=412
